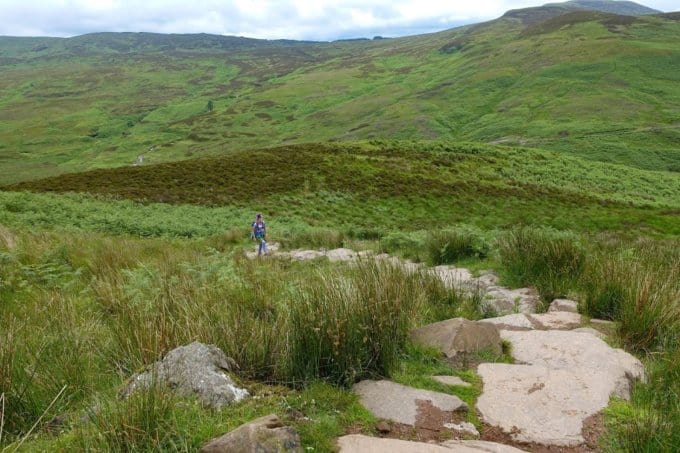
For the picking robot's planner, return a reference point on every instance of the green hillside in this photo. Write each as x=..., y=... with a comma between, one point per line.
x=592, y=84
x=375, y=188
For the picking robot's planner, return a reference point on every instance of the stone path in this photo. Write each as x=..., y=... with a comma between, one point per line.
x=564, y=373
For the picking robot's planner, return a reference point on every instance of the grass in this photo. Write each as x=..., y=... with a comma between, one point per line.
x=596, y=88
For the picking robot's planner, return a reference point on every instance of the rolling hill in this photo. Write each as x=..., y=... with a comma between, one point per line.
x=588, y=83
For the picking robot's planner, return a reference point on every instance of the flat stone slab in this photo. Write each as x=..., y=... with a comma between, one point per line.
x=402, y=404
x=557, y=320
x=518, y=321
x=451, y=380
x=506, y=301
x=591, y=331
x=341, y=255
x=579, y=352
x=358, y=443
x=453, y=277
x=564, y=305
x=534, y=403
x=564, y=378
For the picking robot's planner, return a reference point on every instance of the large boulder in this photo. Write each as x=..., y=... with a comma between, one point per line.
x=196, y=369
x=459, y=336
x=408, y=405
x=264, y=435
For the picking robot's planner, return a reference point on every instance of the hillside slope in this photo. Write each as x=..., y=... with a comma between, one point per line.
x=596, y=85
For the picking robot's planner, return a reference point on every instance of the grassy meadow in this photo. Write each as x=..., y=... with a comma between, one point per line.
x=598, y=86
x=542, y=145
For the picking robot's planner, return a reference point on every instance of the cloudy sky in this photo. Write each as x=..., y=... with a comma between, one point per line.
x=291, y=19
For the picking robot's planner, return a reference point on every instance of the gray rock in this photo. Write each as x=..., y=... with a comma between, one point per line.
x=518, y=321
x=196, y=369
x=504, y=301
x=578, y=352
x=264, y=435
x=459, y=336
x=557, y=320
x=453, y=277
x=451, y=380
x=565, y=377
x=402, y=404
x=564, y=305
x=341, y=255
x=481, y=446
x=358, y=443
x=591, y=331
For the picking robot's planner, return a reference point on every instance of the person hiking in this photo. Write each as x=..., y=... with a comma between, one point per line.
x=259, y=233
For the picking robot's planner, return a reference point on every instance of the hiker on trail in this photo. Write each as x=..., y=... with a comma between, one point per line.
x=259, y=233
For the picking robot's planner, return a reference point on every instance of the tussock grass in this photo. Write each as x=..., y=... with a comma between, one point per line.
x=551, y=261
x=451, y=245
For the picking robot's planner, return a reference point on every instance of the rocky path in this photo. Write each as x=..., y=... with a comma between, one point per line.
x=549, y=399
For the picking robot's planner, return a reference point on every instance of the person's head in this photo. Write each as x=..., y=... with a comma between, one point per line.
x=258, y=217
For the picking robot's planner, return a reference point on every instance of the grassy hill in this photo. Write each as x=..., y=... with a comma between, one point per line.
x=592, y=84
x=363, y=189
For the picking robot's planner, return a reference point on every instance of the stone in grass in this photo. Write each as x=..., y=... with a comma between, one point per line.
x=564, y=305
x=459, y=336
x=196, y=369
x=264, y=435
x=405, y=405
x=465, y=428
x=557, y=320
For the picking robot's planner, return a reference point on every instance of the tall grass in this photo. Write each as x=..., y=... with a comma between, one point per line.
x=451, y=245
x=552, y=261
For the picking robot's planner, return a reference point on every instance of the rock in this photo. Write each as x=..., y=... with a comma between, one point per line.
x=578, y=352
x=341, y=255
x=302, y=255
x=358, y=443
x=564, y=305
x=558, y=320
x=405, y=405
x=486, y=280
x=565, y=377
x=518, y=321
x=504, y=301
x=463, y=428
x=481, y=446
x=264, y=435
x=383, y=427
x=196, y=369
x=591, y=331
x=453, y=277
x=459, y=335
x=451, y=380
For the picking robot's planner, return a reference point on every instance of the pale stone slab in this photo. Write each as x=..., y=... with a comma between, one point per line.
x=506, y=301
x=341, y=255
x=399, y=403
x=451, y=380
x=358, y=443
x=518, y=321
x=591, y=331
x=535, y=403
x=453, y=277
x=481, y=446
x=558, y=320
x=564, y=305
x=579, y=352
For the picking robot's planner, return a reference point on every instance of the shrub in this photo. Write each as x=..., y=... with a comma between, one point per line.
x=450, y=246
x=406, y=244
x=551, y=261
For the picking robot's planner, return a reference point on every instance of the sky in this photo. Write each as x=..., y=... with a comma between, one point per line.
x=318, y=20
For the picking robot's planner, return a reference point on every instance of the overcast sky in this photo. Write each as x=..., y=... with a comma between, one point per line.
x=271, y=19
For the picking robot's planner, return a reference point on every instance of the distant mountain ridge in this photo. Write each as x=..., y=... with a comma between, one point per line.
x=624, y=8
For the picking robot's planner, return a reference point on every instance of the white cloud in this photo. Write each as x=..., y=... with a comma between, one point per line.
x=290, y=19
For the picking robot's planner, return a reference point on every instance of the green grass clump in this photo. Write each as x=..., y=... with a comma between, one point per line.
x=452, y=245
x=551, y=261
x=355, y=326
